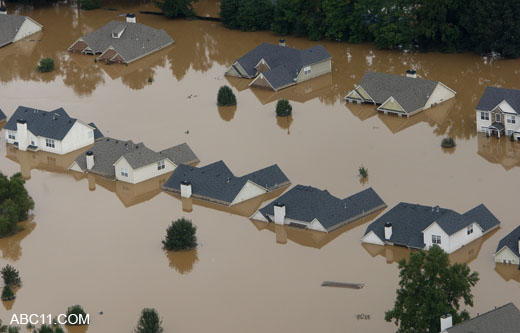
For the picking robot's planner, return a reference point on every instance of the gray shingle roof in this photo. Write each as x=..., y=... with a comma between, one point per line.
x=108, y=150
x=411, y=93
x=284, y=62
x=493, y=96
x=136, y=41
x=305, y=203
x=505, y=319
x=49, y=124
x=409, y=220
x=215, y=181
x=180, y=154
x=511, y=241
x=97, y=133
x=9, y=25
x=2, y=116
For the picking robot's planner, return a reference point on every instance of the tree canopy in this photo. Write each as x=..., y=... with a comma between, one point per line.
x=180, y=235
x=15, y=203
x=430, y=287
x=149, y=322
x=176, y=8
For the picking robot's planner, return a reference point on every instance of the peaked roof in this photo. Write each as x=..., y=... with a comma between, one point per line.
x=511, y=241
x=49, y=124
x=108, y=151
x=410, y=220
x=216, y=181
x=2, y=116
x=493, y=96
x=97, y=133
x=285, y=63
x=505, y=319
x=9, y=26
x=410, y=93
x=306, y=203
x=136, y=40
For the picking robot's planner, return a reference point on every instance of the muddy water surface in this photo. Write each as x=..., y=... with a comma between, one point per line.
x=96, y=243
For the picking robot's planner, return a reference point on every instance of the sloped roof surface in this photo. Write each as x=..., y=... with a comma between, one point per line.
x=180, y=154
x=511, y=241
x=493, y=96
x=97, y=133
x=49, y=124
x=410, y=220
x=217, y=182
x=505, y=319
x=2, y=116
x=136, y=41
x=9, y=25
x=306, y=203
x=284, y=62
x=410, y=93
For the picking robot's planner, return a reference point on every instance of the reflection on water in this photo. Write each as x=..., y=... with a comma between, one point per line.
x=227, y=112
x=503, y=152
x=8, y=305
x=508, y=272
x=77, y=329
x=182, y=261
x=11, y=246
x=285, y=123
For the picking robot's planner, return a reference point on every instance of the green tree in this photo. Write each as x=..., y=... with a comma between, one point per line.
x=149, y=322
x=226, y=97
x=7, y=294
x=46, y=65
x=430, y=287
x=11, y=276
x=246, y=15
x=77, y=312
x=89, y=4
x=180, y=235
x=335, y=14
x=49, y=329
x=176, y=8
x=283, y=108
x=15, y=203
x=8, y=329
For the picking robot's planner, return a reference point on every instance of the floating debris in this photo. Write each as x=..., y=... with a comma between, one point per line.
x=342, y=285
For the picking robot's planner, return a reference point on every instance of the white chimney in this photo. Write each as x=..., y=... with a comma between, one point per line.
x=411, y=73
x=446, y=322
x=90, y=160
x=22, y=134
x=3, y=10
x=388, y=230
x=279, y=213
x=281, y=42
x=185, y=189
x=130, y=18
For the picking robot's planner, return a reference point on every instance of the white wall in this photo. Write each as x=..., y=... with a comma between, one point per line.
x=372, y=238
x=434, y=229
x=440, y=94
x=505, y=254
x=461, y=237
x=79, y=136
x=141, y=174
x=28, y=28
x=483, y=123
x=317, y=69
x=249, y=191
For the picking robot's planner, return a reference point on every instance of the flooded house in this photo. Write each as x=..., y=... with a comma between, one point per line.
x=277, y=67
x=122, y=42
x=308, y=207
x=216, y=183
x=398, y=94
x=16, y=27
x=131, y=162
x=508, y=250
x=51, y=131
x=498, y=112
x=420, y=227
x=504, y=319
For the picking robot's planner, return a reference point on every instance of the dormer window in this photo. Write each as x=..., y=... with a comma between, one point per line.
x=118, y=31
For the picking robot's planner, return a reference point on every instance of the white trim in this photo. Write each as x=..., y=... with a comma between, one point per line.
x=261, y=75
x=388, y=110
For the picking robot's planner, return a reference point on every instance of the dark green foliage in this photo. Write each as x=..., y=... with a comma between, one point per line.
x=49, y=329
x=430, y=287
x=8, y=329
x=226, y=97
x=75, y=310
x=149, y=322
x=89, y=4
x=46, y=65
x=15, y=203
x=448, y=142
x=246, y=15
x=283, y=108
x=11, y=276
x=7, y=294
x=180, y=235
x=176, y=8
x=363, y=172
x=512, y=137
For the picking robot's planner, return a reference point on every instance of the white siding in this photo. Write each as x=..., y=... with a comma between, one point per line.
x=505, y=255
x=141, y=174
x=435, y=229
x=482, y=125
x=316, y=225
x=372, y=238
x=79, y=136
x=317, y=69
x=28, y=28
x=461, y=237
x=440, y=94
x=249, y=191
x=122, y=163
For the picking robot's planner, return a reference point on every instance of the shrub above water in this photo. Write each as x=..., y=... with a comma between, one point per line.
x=149, y=322
x=46, y=65
x=448, y=142
x=226, y=97
x=11, y=276
x=180, y=235
x=283, y=108
x=7, y=294
x=89, y=4
x=77, y=312
x=363, y=172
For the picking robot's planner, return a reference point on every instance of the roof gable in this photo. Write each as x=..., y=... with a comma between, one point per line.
x=9, y=27
x=49, y=124
x=493, y=96
x=511, y=241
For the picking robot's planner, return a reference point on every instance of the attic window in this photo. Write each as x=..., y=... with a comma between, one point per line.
x=307, y=70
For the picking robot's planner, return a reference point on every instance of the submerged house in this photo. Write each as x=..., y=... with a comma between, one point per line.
x=278, y=66
x=216, y=183
x=52, y=131
x=122, y=42
x=401, y=95
x=504, y=319
x=131, y=162
x=311, y=208
x=420, y=227
x=508, y=250
x=498, y=112
x=15, y=27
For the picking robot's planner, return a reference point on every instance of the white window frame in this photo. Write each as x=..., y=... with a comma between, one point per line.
x=124, y=172
x=161, y=165
x=470, y=229
x=511, y=119
x=436, y=239
x=484, y=115
x=11, y=135
x=307, y=70
x=50, y=143
x=498, y=117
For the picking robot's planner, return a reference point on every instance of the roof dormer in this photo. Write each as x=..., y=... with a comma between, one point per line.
x=118, y=31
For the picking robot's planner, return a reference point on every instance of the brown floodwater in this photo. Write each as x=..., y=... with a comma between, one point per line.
x=98, y=243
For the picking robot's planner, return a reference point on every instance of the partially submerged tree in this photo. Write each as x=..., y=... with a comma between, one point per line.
x=246, y=15
x=46, y=65
x=7, y=294
x=363, y=172
x=429, y=288
x=180, y=235
x=176, y=8
x=11, y=276
x=448, y=142
x=49, y=329
x=77, y=312
x=15, y=203
x=283, y=108
x=8, y=329
x=149, y=322
x=226, y=97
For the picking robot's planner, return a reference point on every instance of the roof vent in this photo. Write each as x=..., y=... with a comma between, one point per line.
x=411, y=73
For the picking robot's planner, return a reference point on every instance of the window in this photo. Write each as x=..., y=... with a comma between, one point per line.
x=436, y=239
x=307, y=70
x=49, y=143
x=497, y=117
x=470, y=229
x=33, y=142
x=11, y=135
x=511, y=120
x=124, y=173
x=484, y=115
x=160, y=165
